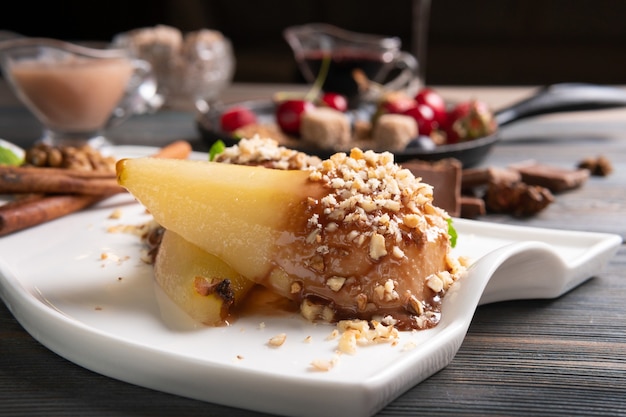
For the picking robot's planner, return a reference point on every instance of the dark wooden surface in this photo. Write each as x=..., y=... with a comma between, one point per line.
x=561, y=357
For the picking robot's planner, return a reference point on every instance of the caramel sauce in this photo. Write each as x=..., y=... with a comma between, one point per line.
x=301, y=271
x=262, y=301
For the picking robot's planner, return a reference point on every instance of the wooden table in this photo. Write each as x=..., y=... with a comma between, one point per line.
x=534, y=357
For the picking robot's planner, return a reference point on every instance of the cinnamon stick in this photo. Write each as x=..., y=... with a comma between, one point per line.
x=27, y=212
x=26, y=179
x=45, y=171
x=179, y=149
x=34, y=209
x=59, y=183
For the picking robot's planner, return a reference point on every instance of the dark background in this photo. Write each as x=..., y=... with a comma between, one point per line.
x=481, y=42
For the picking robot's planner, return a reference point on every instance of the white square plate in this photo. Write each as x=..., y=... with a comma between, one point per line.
x=104, y=314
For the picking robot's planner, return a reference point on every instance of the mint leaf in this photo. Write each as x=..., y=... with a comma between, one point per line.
x=452, y=233
x=216, y=149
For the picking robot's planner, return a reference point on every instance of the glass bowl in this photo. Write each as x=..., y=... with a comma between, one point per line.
x=192, y=69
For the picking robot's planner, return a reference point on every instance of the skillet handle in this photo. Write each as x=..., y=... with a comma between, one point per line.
x=563, y=97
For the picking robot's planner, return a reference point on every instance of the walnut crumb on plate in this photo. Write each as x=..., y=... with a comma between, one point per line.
x=324, y=365
x=116, y=214
x=363, y=333
x=277, y=340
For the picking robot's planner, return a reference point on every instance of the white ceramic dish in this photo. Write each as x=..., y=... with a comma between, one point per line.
x=103, y=314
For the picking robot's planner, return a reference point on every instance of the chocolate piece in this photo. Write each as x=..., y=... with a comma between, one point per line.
x=518, y=199
x=472, y=207
x=445, y=177
x=475, y=177
x=555, y=179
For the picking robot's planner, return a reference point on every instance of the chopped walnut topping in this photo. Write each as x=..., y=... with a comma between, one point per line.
x=434, y=283
x=377, y=246
x=296, y=287
x=328, y=314
x=412, y=220
x=266, y=152
x=335, y=283
x=310, y=310
x=361, y=302
x=388, y=321
x=386, y=291
x=277, y=340
x=415, y=305
x=397, y=252
x=317, y=263
x=375, y=196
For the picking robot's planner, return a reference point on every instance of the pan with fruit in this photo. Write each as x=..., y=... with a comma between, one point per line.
x=420, y=127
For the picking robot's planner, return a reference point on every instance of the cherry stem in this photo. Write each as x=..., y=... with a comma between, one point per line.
x=315, y=89
x=319, y=81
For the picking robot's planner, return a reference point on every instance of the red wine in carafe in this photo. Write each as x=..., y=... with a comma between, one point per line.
x=340, y=79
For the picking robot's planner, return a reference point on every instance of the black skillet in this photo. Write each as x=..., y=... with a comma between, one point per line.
x=555, y=98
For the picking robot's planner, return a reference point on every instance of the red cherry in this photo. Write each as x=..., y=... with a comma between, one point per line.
x=432, y=99
x=334, y=101
x=289, y=113
x=236, y=117
x=425, y=118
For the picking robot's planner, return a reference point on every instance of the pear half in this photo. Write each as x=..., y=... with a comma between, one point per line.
x=236, y=213
x=199, y=283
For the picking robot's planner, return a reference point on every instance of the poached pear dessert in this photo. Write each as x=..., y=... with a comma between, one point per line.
x=353, y=237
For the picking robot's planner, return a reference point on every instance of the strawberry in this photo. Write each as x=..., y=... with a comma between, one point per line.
x=469, y=120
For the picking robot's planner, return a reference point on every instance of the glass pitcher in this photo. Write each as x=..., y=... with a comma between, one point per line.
x=76, y=92
x=354, y=58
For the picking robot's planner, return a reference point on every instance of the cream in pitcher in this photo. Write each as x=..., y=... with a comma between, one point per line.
x=77, y=92
x=57, y=92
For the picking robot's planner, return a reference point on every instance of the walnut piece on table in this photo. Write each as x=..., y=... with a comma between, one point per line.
x=517, y=198
x=599, y=166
